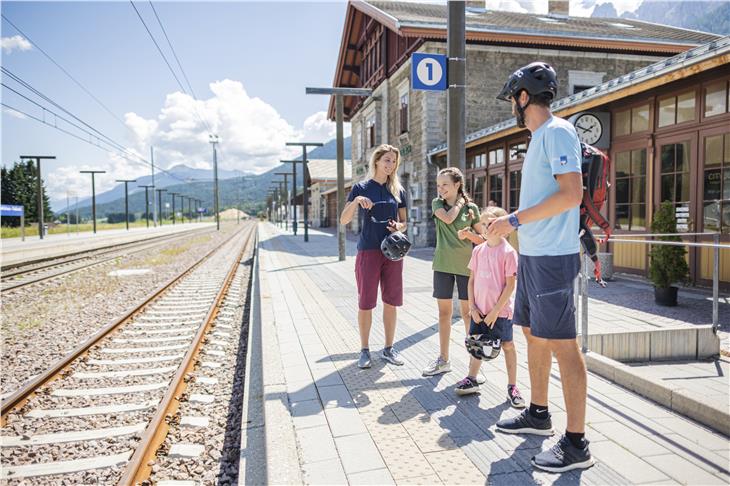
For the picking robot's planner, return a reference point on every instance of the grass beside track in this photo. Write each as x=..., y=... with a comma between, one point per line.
x=32, y=230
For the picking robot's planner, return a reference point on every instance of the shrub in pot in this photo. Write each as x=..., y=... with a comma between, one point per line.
x=667, y=265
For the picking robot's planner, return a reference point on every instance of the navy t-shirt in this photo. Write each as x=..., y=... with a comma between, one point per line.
x=384, y=207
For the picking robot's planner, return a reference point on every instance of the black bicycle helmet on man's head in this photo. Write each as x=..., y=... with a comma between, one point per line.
x=536, y=78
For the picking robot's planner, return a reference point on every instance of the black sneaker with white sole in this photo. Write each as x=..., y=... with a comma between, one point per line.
x=525, y=423
x=563, y=456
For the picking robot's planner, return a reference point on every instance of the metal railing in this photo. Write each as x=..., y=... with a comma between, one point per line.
x=715, y=245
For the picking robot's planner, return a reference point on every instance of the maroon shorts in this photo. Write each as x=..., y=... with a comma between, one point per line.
x=371, y=269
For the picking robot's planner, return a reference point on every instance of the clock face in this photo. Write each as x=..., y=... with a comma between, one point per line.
x=589, y=128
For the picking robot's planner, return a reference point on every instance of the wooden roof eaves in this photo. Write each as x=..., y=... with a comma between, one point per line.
x=341, y=58
x=523, y=38
x=618, y=94
x=371, y=11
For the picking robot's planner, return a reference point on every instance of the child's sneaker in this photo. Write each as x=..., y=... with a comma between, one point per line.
x=514, y=397
x=467, y=386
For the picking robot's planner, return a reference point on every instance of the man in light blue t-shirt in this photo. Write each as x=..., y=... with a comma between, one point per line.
x=547, y=218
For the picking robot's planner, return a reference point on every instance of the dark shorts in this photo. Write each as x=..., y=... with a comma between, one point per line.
x=544, y=299
x=373, y=269
x=443, y=285
x=502, y=325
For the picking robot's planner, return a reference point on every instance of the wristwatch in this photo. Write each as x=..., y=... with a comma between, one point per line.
x=514, y=221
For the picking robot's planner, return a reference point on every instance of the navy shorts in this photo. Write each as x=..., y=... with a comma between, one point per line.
x=502, y=325
x=443, y=285
x=544, y=299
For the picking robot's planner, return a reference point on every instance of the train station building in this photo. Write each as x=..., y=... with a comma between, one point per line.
x=379, y=37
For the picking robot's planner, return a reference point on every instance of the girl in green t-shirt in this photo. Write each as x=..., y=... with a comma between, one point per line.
x=453, y=210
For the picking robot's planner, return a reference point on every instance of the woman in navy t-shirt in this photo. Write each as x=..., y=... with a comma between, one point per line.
x=381, y=200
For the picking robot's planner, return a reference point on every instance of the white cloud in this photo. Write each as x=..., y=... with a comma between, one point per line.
x=252, y=133
x=14, y=113
x=67, y=179
x=9, y=44
x=318, y=128
x=578, y=8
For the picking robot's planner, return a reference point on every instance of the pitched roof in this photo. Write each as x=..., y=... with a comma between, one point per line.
x=688, y=63
x=417, y=19
x=427, y=21
x=326, y=169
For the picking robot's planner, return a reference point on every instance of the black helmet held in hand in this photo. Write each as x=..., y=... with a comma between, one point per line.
x=536, y=78
x=485, y=346
x=395, y=246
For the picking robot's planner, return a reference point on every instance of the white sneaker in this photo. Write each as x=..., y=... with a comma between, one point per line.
x=437, y=367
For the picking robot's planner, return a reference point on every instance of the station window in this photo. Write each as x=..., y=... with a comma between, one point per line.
x=716, y=99
x=631, y=189
x=478, y=191
x=515, y=179
x=517, y=150
x=496, y=156
x=674, y=182
x=370, y=127
x=404, y=112
x=677, y=109
x=632, y=120
x=495, y=188
x=716, y=184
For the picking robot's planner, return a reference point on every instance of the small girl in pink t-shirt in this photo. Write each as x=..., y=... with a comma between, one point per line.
x=491, y=288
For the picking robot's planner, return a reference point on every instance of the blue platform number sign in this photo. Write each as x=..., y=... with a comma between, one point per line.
x=428, y=71
x=11, y=210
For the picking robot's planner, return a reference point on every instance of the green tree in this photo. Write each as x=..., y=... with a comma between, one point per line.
x=19, y=187
x=666, y=263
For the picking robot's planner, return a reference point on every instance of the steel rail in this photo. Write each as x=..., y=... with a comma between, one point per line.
x=25, y=392
x=135, y=247
x=138, y=468
x=81, y=254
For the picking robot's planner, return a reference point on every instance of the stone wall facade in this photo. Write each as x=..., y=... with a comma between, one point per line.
x=487, y=68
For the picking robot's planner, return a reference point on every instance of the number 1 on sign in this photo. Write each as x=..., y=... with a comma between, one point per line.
x=429, y=68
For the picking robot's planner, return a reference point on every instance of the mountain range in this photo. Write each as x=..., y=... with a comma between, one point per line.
x=234, y=187
x=706, y=16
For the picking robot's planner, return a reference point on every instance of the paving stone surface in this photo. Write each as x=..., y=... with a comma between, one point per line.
x=332, y=423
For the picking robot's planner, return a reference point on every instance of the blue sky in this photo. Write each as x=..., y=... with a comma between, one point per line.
x=248, y=63
x=269, y=52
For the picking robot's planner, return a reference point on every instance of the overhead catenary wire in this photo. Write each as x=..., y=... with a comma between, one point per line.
x=179, y=65
x=69, y=75
x=100, y=137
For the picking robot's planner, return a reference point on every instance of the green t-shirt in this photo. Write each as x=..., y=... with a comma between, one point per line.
x=452, y=254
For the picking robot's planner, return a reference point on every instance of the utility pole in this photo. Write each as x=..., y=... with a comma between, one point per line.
x=154, y=208
x=305, y=195
x=215, y=139
x=456, y=99
x=93, y=193
x=77, y=214
x=147, y=202
x=190, y=209
x=339, y=94
x=126, y=199
x=159, y=201
x=68, y=215
x=293, y=195
x=285, y=195
x=280, y=187
x=39, y=188
x=173, y=194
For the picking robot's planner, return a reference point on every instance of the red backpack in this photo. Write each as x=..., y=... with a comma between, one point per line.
x=596, y=167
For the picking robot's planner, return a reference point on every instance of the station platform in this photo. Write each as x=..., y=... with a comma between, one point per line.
x=15, y=251
x=311, y=416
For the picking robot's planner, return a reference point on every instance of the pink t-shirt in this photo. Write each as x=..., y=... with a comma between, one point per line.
x=490, y=267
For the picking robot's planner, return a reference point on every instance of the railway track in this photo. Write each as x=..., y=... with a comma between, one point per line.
x=18, y=276
x=100, y=414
